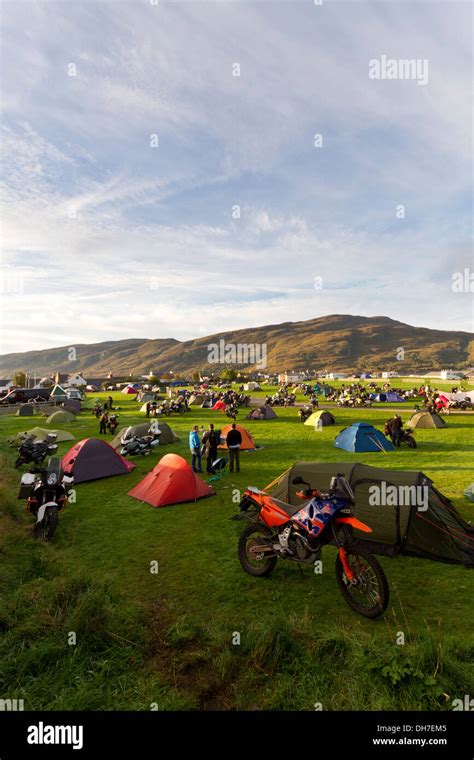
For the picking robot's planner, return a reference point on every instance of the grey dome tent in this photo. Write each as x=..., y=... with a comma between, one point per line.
x=264, y=412
x=425, y=420
x=72, y=405
x=27, y=410
x=399, y=525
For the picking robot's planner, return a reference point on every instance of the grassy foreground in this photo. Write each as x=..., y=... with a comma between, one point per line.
x=85, y=624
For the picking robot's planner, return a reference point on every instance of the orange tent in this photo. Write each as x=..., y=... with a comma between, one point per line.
x=247, y=441
x=219, y=405
x=171, y=481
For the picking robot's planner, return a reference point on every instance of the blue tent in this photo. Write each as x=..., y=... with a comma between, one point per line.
x=361, y=437
x=389, y=396
x=365, y=376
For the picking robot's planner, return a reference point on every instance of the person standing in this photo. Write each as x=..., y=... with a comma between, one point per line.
x=210, y=441
x=233, y=441
x=104, y=418
x=195, y=448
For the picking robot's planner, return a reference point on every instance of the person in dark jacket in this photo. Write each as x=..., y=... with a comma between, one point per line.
x=234, y=441
x=394, y=428
x=104, y=418
x=210, y=442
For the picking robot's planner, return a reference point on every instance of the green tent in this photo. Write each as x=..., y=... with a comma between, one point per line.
x=40, y=434
x=60, y=417
x=410, y=517
x=425, y=420
x=58, y=393
x=321, y=417
x=166, y=434
x=27, y=410
x=264, y=412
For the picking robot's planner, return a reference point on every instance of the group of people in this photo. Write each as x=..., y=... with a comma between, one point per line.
x=207, y=447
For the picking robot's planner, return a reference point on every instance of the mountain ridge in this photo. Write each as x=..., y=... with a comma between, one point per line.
x=337, y=341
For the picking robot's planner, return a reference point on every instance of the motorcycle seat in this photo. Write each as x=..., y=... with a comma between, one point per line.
x=290, y=509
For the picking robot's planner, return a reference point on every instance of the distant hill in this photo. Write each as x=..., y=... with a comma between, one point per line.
x=336, y=342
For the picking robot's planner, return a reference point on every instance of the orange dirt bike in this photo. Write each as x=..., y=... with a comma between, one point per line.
x=281, y=530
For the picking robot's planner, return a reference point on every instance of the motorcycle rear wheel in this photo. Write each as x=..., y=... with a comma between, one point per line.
x=258, y=566
x=370, y=595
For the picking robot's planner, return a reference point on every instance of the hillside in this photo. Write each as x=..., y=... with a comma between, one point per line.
x=336, y=342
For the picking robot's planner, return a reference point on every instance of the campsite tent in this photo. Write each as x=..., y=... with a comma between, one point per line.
x=60, y=417
x=92, y=459
x=425, y=420
x=248, y=443
x=40, y=434
x=166, y=434
x=399, y=525
x=469, y=492
x=130, y=389
x=194, y=399
x=321, y=417
x=143, y=407
x=72, y=405
x=206, y=404
x=58, y=394
x=26, y=410
x=264, y=412
x=252, y=386
x=219, y=405
x=144, y=397
x=389, y=397
x=362, y=437
x=172, y=481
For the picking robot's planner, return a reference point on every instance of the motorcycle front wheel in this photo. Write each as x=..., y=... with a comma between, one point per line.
x=45, y=529
x=368, y=592
x=254, y=563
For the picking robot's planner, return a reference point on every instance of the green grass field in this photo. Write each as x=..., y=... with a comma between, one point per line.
x=169, y=640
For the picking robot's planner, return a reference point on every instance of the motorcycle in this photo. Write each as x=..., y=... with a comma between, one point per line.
x=112, y=424
x=279, y=530
x=47, y=491
x=97, y=410
x=406, y=436
x=304, y=413
x=35, y=452
x=139, y=445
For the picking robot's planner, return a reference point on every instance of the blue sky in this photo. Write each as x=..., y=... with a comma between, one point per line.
x=105, y=237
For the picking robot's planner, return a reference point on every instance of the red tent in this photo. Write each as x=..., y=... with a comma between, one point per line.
x=171, y=481
x=92, y=459
x=219, y=404
x=130, y=389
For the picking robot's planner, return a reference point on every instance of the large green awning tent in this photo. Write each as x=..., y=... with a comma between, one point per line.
x=437, y=532
x=58, y=393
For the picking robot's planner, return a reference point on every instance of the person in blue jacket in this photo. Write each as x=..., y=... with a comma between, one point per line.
x=195, y=448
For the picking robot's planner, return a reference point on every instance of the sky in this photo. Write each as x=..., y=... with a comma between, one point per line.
x=160, y=174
